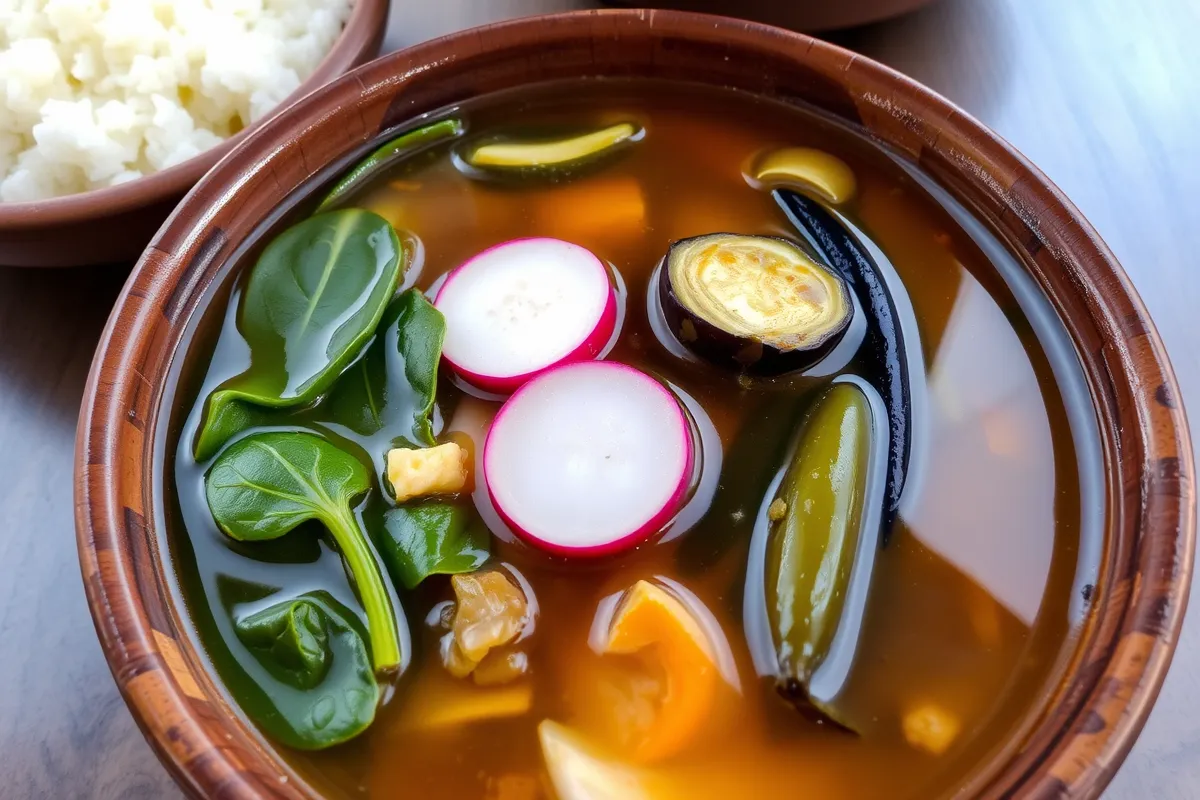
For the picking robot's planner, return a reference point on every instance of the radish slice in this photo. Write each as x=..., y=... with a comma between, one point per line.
x=589, y=459
x=522, y=307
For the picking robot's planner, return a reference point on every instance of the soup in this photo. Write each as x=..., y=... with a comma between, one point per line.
x=733, y=453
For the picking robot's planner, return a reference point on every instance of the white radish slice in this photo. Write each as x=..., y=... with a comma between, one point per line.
x=522, y=307
x=589, y=459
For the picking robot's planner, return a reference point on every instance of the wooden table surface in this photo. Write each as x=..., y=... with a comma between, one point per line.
x=1104, y=95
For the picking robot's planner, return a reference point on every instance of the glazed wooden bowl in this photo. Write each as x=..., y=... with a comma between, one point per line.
x=1073, y=746
x=114, y=224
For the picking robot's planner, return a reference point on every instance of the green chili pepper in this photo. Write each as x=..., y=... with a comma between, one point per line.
x=823, y=532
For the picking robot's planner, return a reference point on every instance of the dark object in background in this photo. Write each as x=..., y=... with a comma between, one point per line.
x=801, y=15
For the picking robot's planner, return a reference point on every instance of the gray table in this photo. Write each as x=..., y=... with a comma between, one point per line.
x=1102, y=94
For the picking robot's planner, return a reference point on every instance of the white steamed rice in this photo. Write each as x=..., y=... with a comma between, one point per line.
x=98, y=92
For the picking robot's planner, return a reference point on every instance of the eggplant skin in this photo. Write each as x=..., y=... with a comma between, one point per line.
x=748, y=354
x=883, y=355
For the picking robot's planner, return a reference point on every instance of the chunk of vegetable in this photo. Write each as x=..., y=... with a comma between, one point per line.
x=753, y=302
x=426, y=471
x=550, y=157
x=387, y=154
x=654, y=625
x=313, y=299
x=579, y=772
x=883, y=353
x=930, y=728
x=821, y=547
x=432, y=538
x=266, y=484
x=426, y=710
x=825, y=175
x=319, y=690
x=490, y=612
x=589, y=459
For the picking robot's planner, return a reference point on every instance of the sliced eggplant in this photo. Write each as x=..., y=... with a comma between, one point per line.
x=820, y=551
x=826, y=175
x=757, y=303
x=550, y=158
x=883, y=356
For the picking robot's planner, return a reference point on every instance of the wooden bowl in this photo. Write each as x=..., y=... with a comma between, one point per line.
x=1072, y=748
x=114, y=224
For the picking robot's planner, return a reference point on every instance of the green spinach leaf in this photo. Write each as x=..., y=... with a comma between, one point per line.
x=395, y=384
x=227, y=419
x=319, y=689
x=266, y=484
x=312, y=301
x=291, y=640
x=403, y=145
x=432, y=538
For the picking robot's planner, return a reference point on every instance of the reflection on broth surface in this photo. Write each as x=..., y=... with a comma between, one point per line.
x=645, y=657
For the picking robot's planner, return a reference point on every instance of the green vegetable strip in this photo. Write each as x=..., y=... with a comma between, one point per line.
x=381, y=617
x=402, y=145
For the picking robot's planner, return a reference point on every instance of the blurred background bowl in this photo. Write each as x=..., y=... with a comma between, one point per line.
x=801, y=15
x=115, y=224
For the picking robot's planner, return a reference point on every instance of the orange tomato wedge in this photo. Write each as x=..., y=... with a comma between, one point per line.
x=655, y=626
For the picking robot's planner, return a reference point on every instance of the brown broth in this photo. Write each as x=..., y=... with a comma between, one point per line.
x=971, y=608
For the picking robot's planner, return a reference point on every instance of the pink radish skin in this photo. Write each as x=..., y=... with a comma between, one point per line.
x=534, y=304
x=591, y=444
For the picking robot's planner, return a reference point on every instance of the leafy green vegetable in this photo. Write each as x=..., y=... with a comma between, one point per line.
x=265, y=485
x=290, y=640
x=228, y=419
x=432, y=538
x=394, y=385
x=319, y=689
x=403, y=145
x=311, y=303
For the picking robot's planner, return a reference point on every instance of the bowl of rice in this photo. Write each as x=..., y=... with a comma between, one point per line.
x=110, y=111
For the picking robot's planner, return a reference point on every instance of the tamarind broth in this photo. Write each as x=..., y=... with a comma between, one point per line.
x=974, y=601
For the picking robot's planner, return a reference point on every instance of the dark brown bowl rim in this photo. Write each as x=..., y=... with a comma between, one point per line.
x=1138, y=604
x=362, y=29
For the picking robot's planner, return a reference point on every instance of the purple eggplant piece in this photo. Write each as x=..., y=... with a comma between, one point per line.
x=774, y=277
x=884, y=356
